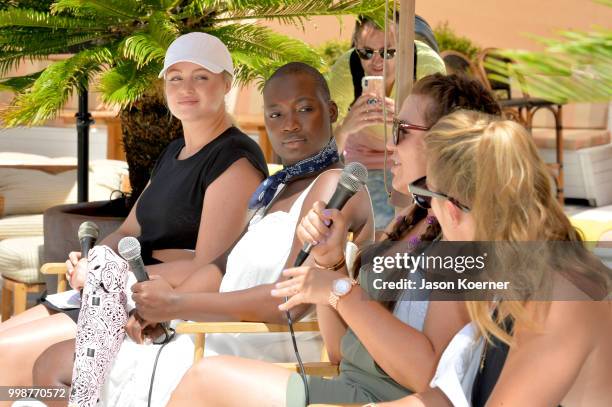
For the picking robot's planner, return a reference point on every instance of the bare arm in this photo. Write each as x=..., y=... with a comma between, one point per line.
x=239, y=305
x=545, y=361
x=428, y=398
x=407, y=355
x=361, y=116
x=223, y=219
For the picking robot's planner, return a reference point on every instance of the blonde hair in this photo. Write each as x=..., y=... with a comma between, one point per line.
x=493, y=166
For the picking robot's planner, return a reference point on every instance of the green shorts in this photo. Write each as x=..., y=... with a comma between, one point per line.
x=332, y=391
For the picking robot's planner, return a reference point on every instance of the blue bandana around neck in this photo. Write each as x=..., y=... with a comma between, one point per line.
x=267, y=189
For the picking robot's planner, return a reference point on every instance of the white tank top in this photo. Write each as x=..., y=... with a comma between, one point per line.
x=260, y=255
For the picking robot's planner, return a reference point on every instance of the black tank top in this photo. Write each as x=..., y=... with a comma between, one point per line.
x=491, y=367
x=169, y=210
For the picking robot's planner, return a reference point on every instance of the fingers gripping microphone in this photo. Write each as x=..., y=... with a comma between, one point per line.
x=88, y=234
x=129, y=249
x=353, y=177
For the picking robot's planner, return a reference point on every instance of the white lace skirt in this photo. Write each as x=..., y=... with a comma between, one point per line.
x=129, y=380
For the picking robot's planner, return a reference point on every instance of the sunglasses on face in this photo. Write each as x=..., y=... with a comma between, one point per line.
x=400, y=126
x=368, y=53
x=422, y=196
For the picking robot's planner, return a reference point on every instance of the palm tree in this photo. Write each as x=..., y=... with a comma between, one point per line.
x=118, y=47
x=575, y=68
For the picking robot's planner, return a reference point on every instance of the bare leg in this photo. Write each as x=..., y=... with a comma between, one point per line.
x=231, y=381
x=429, y=398
x=23, y=344
x=34, y=313
x=54, y=368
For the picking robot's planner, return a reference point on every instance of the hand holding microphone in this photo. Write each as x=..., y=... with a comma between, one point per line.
x=313, y=232
x=76, y=265
x=325, y=230
x=129, y=249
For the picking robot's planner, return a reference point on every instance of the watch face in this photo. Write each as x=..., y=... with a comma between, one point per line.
x=342, y=286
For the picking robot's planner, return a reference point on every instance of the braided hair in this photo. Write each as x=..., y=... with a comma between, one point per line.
x=447, y=93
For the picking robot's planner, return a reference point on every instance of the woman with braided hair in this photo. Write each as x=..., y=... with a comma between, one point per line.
x=371, y=368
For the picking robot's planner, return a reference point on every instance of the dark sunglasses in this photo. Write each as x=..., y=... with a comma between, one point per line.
x=368, y=53
x=399, y=126
x=422, y=196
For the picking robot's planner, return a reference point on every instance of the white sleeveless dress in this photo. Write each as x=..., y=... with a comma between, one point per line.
x=258, y=258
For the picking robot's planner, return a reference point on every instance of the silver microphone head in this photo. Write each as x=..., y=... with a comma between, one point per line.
x=354, y=176
x=129, y=248
x=88, y=229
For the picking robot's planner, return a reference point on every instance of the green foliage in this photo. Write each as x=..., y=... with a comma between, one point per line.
x=119, y=45
x=448, y=40
x=330, y=51
x=20, y=83
x=575, y=68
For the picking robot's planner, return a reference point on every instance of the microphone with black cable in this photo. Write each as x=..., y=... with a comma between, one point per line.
x=88, y=235
x=353, y=177
x=129, y=249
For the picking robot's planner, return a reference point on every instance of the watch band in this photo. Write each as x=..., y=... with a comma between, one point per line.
x=334, y=298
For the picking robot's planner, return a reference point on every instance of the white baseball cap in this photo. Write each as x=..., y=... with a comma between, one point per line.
x=199, y=48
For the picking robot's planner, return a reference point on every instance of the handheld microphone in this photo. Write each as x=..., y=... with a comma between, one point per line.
x=129, y=249
x=88, y=234
x=353, y=177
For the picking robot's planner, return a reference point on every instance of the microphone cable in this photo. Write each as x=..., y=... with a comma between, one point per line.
x=302, y=370
x=170, y=333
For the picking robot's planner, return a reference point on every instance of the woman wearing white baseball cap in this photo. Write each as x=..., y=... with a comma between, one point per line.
x=195, y=201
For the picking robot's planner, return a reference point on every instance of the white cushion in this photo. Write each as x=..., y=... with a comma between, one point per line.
x=28, y=191
x=21, y=226
x=20, y=259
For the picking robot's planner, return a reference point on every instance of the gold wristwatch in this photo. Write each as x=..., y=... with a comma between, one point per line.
x=340, y=288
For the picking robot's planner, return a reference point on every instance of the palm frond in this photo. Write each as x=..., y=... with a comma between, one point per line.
x=259, y=50
x=298, y=11
x=29, y=38
x=162, y=5
x=150, y=46
x=19, y=46
x=40, y=5
x=48, y=94
x=142, y=49
x=122, y=9
x=573, y=69
x=19, y=84
x=162, y=29
x=30, y=18
x=126, y=83
x=285, y=11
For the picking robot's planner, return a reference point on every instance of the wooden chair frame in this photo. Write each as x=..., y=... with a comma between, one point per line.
x=200, y=329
